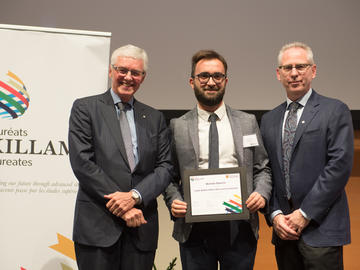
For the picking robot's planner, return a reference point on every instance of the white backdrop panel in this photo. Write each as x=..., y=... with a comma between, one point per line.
x=37, y=186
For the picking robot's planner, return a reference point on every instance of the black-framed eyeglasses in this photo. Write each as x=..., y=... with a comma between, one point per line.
x=301, y=68
x=217, y=77
x=124, y=71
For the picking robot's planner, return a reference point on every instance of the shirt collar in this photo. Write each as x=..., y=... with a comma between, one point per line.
x=302, y=101
x=117, y=99
x=220, y=112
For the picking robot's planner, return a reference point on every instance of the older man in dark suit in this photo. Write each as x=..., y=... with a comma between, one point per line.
x=120, y=153
x=309, y=139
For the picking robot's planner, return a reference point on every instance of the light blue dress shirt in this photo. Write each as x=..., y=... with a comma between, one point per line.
x=131, y=119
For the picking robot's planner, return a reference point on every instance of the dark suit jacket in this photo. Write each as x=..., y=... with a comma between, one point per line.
x=320, y=167
x=99, y=162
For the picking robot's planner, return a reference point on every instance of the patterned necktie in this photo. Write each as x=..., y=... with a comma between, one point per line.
x=213, y=143
x=126, y=134
x=288, y=140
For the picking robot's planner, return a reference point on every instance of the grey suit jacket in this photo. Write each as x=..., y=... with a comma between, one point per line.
x=98, y=159
x=186, y=156
x=320, y=167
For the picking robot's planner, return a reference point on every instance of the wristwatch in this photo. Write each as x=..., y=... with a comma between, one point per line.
x=135, y=196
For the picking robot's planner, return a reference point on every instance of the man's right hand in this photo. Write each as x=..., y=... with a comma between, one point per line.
x=134, y=218
x=178, y=208
x=283, y=230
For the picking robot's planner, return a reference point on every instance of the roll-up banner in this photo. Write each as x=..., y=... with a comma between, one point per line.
x=42, y=71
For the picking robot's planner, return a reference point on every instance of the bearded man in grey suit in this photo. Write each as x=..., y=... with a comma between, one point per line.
x=230, y=243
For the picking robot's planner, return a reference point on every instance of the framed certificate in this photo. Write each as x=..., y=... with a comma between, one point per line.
x=215, y=194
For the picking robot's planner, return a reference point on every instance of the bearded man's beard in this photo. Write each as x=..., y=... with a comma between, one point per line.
x=209, y=100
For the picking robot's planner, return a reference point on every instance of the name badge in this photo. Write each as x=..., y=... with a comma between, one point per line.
x=250, y=140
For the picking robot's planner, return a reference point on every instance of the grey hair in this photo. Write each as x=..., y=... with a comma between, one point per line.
x=130, y=51
x=297, y=44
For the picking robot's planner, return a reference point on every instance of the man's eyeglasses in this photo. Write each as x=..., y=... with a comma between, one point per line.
x=124, y=71
x=217, y=77
x=301, y=68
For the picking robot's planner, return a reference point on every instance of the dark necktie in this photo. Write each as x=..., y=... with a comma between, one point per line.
x=213, y=143
x=288, y=140
x=213, y=239
x=126, y=134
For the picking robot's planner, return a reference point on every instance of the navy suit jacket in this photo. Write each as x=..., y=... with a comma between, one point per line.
x=98, y=159
x=320, y=167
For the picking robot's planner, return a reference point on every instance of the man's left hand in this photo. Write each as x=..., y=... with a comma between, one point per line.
x=255, y=202
x=297, y=221
x=120, y=202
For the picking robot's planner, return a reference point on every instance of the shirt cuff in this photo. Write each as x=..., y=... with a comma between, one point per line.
x=304, y=214
x=274, y=214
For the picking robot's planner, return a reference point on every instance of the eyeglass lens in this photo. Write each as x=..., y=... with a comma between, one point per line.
x=204, y=77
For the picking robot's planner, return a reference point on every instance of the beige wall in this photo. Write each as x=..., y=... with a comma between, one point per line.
x=248, y=33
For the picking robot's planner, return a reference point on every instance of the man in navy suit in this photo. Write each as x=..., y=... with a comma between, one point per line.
x=120, y=154
x=309, y=140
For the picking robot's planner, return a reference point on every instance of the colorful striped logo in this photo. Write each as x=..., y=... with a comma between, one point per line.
x=234, y=205
x=14, y=98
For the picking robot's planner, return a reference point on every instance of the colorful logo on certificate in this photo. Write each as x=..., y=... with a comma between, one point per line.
x=14, y=98
x=234, y=205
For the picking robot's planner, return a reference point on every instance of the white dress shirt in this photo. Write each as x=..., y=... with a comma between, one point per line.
x=227, y=156
x=302, y=101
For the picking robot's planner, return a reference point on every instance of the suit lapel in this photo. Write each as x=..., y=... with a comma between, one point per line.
x=235, y=124
x=310, y=110
x=141, y=119
x=278, y=133
x=192, y=125
x=110, y=118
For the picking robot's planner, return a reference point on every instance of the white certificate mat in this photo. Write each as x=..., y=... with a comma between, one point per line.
x=215, y=194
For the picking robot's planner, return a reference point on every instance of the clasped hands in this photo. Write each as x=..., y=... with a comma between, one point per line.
x=121, y=204
x=290, y=227
x=254, y=203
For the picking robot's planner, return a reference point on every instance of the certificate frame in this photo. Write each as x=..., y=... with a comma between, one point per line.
x=190, y=217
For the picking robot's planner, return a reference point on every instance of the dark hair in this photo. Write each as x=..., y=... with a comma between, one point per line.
x=206, y=54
